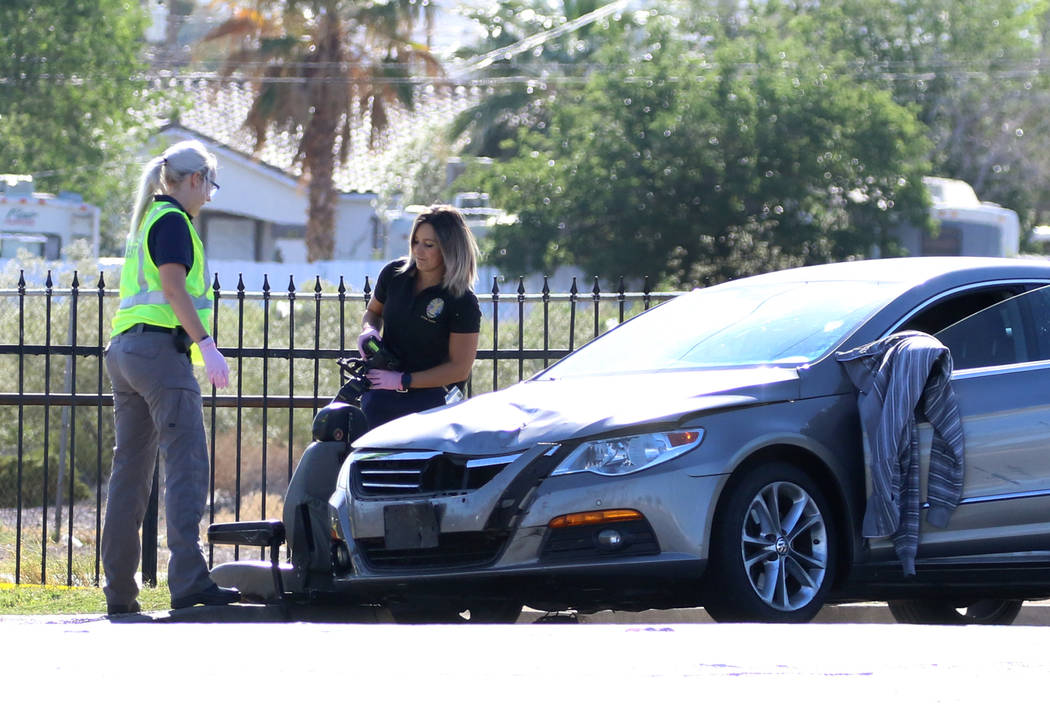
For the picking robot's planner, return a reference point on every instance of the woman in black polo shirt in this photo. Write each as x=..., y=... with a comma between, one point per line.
x=429, y=317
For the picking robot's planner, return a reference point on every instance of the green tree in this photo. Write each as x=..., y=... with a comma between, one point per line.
x=698, y=166
x=69, y=85
x=316, y=65
x=971, y=70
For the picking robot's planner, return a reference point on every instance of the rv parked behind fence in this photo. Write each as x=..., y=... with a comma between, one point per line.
x=42, y=223
x=968, y=225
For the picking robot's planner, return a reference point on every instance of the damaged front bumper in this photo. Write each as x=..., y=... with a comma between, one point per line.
x=413, y=525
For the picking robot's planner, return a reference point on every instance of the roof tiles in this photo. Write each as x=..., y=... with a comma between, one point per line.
x=219, y=115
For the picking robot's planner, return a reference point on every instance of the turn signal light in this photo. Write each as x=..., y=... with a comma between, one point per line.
x=590, y=518
x=682, y=437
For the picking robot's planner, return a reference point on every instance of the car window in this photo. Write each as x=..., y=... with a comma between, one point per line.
x=952, y=309
x=1011, y=332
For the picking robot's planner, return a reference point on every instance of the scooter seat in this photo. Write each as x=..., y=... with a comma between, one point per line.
x=269, y=533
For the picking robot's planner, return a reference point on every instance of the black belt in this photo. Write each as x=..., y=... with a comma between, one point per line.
x=146, y=327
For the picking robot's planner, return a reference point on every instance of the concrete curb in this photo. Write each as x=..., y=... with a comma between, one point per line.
x=1035, y=613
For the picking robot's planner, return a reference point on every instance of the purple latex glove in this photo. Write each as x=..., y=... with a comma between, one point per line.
x=366, y=333
x=214, y=363
x=385, y=379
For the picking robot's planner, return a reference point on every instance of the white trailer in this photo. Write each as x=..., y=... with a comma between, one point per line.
x=42, y=223
x=968, y=226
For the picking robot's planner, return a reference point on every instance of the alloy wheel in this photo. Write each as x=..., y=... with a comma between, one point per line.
x=784, y=545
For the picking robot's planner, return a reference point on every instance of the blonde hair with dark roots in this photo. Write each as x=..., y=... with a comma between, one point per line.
x=162, y=173
x=459, y=249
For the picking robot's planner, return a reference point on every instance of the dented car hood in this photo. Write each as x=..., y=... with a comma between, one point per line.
x=518, y=417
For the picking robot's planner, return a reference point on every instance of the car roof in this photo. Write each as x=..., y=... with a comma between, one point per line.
x=908, y=270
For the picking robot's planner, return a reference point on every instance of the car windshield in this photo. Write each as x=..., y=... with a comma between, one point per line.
x=739, y=324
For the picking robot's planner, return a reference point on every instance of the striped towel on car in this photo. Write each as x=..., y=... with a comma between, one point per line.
x=893, y=375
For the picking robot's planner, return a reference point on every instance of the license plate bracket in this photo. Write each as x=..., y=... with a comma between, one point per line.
x=412, y=526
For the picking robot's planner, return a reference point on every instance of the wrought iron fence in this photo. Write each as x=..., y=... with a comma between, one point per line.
x=57, y=427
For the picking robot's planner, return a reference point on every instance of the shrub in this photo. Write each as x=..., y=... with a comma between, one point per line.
x=33, y=483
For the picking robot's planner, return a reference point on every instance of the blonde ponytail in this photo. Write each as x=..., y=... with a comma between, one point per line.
x=149, y=186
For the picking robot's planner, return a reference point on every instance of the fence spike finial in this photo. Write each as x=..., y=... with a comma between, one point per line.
x=266, y=284
x=240, y=283
x=596, y=291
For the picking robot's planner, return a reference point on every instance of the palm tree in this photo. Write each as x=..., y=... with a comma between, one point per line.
x=316, y=66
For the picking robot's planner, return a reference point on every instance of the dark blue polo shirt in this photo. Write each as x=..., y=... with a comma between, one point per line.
x=416, y=327
x=169, y=240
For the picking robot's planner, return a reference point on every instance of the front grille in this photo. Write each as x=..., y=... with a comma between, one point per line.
x=412, y=473
x=473, y=549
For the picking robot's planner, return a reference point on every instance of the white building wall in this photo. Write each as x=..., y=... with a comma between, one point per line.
x=252, y=190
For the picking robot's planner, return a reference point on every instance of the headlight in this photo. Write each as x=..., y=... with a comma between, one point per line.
x=633, y=453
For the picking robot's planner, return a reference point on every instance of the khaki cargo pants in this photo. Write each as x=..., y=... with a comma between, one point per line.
x=156, y=403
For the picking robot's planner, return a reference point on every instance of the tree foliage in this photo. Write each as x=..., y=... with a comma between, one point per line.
x=971, y=70
x=69, y=84
x=698, y=165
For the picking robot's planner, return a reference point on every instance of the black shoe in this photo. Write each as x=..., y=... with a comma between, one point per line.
x=212, y=596
x=115, y=609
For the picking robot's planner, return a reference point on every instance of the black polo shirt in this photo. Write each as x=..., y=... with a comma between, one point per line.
x=169, y=240
x=416, y=328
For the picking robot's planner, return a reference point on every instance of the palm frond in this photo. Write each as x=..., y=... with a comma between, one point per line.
x=246, y=22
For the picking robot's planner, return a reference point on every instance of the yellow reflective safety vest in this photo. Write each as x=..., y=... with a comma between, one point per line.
x=141, y=296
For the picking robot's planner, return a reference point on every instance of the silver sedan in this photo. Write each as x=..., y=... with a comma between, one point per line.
x=710, y=452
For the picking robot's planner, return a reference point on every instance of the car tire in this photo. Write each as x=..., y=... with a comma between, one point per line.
x=938, y=612
x=479, y=613
x=773, y=549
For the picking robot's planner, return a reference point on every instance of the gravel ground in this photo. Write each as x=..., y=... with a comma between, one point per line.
x=83, y=517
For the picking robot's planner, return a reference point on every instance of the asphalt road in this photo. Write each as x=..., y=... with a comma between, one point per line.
x=172, y=659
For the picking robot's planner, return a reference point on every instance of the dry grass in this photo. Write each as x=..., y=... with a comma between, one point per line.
x=59, y=568
x=251, y=466
x=254, y=505
x=82, y=572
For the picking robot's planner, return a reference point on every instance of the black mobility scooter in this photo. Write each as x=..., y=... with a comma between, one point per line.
x=306, y=578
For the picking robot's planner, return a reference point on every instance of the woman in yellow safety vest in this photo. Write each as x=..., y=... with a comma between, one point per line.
x=163, y=321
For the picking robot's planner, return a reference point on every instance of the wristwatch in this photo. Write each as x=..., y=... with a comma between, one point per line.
x=406, y=381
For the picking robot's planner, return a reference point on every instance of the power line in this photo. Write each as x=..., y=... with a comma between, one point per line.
x=531, y=42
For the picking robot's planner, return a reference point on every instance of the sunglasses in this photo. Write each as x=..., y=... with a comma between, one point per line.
x=214, y=187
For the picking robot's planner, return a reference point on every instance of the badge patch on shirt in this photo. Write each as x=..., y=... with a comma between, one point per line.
x=434, y=308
